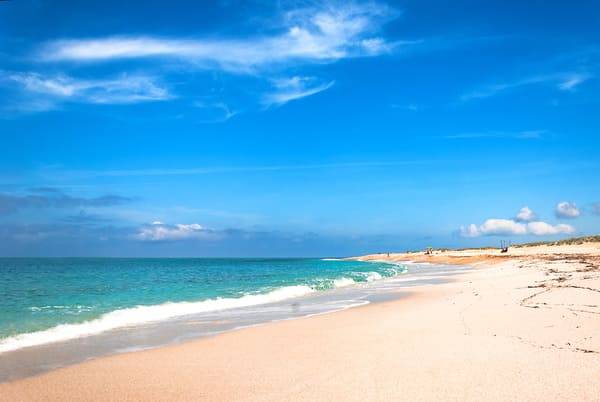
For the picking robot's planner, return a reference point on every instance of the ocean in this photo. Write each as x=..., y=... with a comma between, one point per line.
x=56, y=311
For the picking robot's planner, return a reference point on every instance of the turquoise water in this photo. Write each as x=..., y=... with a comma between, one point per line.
x=50, y=299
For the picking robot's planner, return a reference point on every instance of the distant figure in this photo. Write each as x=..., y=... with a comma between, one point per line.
x=388, y=254
x=503, y=246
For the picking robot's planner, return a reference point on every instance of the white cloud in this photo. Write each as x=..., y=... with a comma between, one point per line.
x=569, y=83
x=53, y=173
x=567, y=209
x=517, y=135
x=376, y=46
x=294, y=88
x=525, y=215
x=159, y=231
x=124, y=89
x=411, y=107
x=308, y=35
x=219, y=112
x=59, y=86
x=543, y=228
x=494, y=227
x=563, y=81
x=509, y=227
x=322, y=32
x=470, y=231
x=495, y=89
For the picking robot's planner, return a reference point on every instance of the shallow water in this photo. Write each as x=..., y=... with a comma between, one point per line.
x=138, y=304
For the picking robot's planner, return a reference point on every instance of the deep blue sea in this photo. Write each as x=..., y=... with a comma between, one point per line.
x=45, y=300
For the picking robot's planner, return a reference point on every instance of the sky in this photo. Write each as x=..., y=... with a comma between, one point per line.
x=295, y=128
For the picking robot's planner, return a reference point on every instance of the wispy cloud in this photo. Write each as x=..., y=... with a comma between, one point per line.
x=51, y=174
x=562, y=81
x=35, y=92
x=411, y=107
x=294, y=88
x=55, y=199
x=220, y=110
x=569, y=83
x=519, y=135
x=308, y=35
x=121, y=90
x=297, y=37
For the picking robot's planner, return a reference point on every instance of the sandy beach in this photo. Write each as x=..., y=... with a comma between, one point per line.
x=523, y=325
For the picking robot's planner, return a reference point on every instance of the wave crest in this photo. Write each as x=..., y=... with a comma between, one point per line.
x=145, y=314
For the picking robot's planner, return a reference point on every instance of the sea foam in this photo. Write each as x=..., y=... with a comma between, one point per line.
x=145, y=314
x=139, y=315
x=343, y=282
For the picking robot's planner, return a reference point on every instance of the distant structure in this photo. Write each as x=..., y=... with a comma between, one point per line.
x=429, y=251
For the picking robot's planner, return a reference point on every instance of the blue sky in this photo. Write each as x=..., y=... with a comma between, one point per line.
x=295, y=128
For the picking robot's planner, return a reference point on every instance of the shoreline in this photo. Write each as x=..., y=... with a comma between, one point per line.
x=40, y=358
x=522, y=327
x=138, y=313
